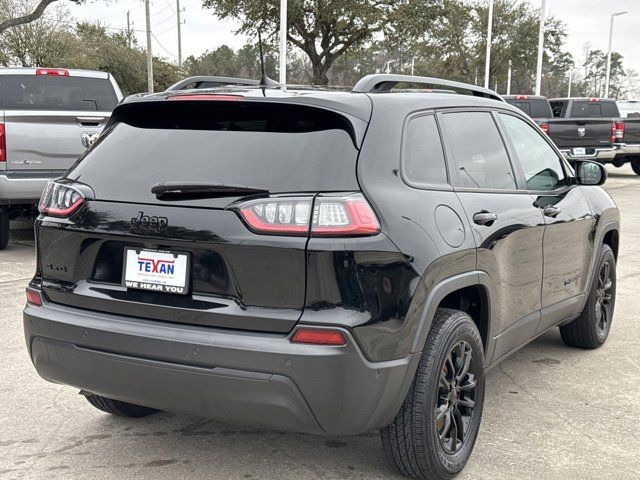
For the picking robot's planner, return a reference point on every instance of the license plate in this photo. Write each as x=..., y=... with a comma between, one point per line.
x=157, y=270
x=580, y=151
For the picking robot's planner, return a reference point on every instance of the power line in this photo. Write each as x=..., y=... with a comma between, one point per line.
x=162, y=46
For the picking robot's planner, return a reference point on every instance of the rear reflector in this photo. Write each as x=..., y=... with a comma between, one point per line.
x=33, y=297
x=56, y=72
x=3, y=144
x=210, y=97
x=339, y=216
x=318, y=337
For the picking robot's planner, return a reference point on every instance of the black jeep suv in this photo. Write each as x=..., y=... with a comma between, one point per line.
x=315, y=261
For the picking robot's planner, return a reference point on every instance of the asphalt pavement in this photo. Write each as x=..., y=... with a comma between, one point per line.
x=551, y=412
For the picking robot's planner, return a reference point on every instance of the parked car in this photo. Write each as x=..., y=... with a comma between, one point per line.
x=592, y=128
x=319, y=262
x=207, y=81
x=629, y=108
x=48, y=117
x=537, y=107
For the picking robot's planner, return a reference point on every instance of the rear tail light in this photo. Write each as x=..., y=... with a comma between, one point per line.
x=60, y=200
x=3, y=143
x=545, y=128
x=317, y=336
x=349, y=215
x=594, y=99
x=56, y=72
x=33, y=297
x=619, y=131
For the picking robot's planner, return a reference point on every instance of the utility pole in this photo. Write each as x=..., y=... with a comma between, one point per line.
x=570, y=81
x=179, y=33
x=149, y=53
x=543, y=14
x=487, y=66
x=608, y=77
x=413, y=64
x=509, y=79
x=128, y=29
x=283, y=42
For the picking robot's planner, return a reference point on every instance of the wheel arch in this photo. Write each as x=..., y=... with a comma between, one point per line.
x=469, y=292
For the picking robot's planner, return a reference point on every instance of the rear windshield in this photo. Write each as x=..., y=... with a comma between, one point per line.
x=586, y=108
x=49, y=92
x=280, y=148
x=535, y=108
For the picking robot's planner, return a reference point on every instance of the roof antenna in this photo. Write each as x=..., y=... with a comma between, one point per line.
x=265, y=82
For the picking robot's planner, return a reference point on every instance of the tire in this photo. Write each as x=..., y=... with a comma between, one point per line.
x=4, y=228
x=635, y=165
x=591, y=329
x=417, y=443
x=121, y=409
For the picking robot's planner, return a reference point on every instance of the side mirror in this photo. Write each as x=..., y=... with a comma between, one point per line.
x=591, y=173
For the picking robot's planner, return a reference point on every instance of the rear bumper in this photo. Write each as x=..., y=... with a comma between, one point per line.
x=24, y=187
x=628, y=149
x=260, y=379
x=606, y=154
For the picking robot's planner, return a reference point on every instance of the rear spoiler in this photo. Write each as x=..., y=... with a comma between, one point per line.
x=219, y=81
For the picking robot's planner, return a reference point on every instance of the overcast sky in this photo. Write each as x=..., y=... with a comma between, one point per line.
x=586, y=20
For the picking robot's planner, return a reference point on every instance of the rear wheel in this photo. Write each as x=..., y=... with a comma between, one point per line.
x=434, y=433
x=591, y=328
x=121, y=409
x=4, y=227
x=635, y=165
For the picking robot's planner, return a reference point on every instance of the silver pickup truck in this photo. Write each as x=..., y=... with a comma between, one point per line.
x=48, y=117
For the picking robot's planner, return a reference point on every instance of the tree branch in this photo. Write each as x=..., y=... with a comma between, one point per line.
x=36, y=14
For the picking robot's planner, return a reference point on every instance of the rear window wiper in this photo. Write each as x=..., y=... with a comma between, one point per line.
x=194, y=190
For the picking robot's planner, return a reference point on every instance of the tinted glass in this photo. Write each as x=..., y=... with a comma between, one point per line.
x=480, y=155
x=48, y=92
x=275, y=147
x=522, y=105
x=559, y=109
x=586, y=109
x=542, y=167
x=423, y=160
x=540, y=108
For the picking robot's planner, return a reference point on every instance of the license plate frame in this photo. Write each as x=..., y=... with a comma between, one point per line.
x=150, y=270
x=579, y=151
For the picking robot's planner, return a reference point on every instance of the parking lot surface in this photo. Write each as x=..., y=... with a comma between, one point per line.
x=550, y=411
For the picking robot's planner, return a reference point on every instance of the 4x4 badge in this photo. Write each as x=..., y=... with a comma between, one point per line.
x=148, y=223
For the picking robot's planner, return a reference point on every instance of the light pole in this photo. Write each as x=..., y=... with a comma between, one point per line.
x=608, y=77
x=487, y=66
x=389, y=62
x=283, y=42
x=543, y=17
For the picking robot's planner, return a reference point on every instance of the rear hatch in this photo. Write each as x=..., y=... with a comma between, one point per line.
x=50, y=116
x=234, y=277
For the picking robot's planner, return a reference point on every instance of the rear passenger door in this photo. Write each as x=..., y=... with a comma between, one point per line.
x=568, y=239
x=508, y=227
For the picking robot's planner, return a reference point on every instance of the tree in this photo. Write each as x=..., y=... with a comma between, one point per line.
x=323, y=29
x=28, y=17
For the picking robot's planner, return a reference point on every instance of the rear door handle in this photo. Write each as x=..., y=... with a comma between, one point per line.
x=551, y=211
x=485, y=218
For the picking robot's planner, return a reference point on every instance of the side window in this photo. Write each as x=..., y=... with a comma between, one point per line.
x=423, y=158
x=480, y=155
x=541, y=165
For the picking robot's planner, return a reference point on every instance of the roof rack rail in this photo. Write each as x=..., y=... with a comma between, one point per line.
x=220, y=81
x=381, y=82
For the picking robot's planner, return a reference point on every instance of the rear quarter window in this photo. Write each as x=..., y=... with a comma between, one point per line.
x=423, y=161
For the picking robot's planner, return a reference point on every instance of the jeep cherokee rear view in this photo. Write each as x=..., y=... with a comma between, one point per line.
x=318, y=262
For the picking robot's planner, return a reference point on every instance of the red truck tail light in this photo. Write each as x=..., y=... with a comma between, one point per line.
x=3, y=143
x=619, y=131
x=56, y=72
x=594, y=99
x=345, y=216
x=59, y=200
x=316, y=336
x=545, y=128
